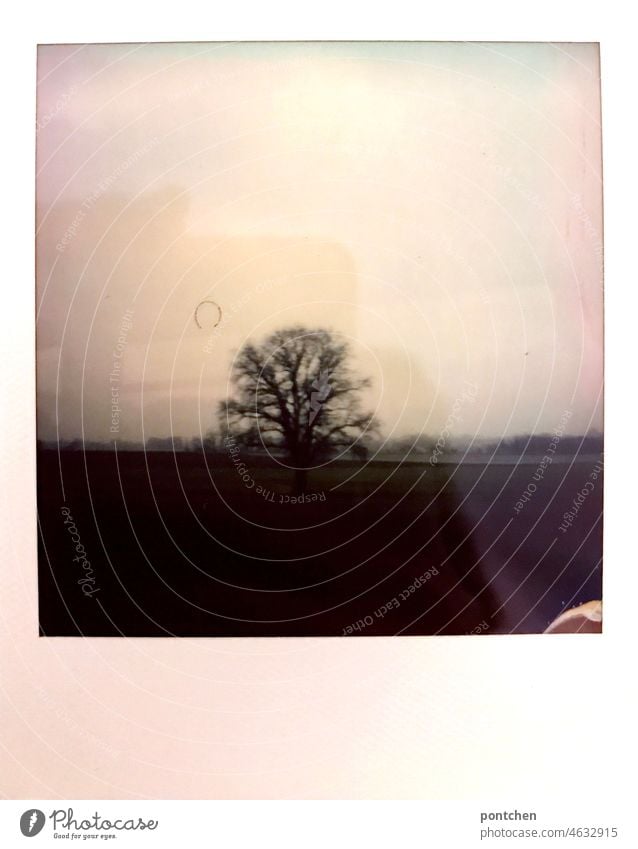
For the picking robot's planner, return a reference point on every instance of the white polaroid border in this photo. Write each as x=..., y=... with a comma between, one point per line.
x=429, y=718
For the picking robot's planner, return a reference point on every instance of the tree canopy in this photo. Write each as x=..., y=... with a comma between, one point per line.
x=297, y=392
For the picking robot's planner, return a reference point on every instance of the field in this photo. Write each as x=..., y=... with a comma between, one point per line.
x=183, y=544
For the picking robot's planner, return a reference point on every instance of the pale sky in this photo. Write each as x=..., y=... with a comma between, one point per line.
x=439, y=204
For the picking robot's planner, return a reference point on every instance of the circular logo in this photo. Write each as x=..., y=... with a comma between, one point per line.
x=32, y=822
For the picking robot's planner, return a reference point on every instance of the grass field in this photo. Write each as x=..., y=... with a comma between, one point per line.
x=183, y=544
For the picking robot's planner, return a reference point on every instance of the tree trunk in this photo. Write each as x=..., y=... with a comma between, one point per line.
x=300, y=481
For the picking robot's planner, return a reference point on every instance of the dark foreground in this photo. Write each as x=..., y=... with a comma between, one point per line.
x=181, y=545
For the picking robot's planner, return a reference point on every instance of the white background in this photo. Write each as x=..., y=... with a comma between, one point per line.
x=501, y=718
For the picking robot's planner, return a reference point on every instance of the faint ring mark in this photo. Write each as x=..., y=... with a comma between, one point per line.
x=205, y=316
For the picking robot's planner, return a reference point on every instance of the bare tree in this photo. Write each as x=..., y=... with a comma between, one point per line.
x=296, y=392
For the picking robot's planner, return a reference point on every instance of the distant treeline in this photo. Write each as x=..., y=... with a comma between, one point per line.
x=417, y=447
x=522, y=444
x=537, y=444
